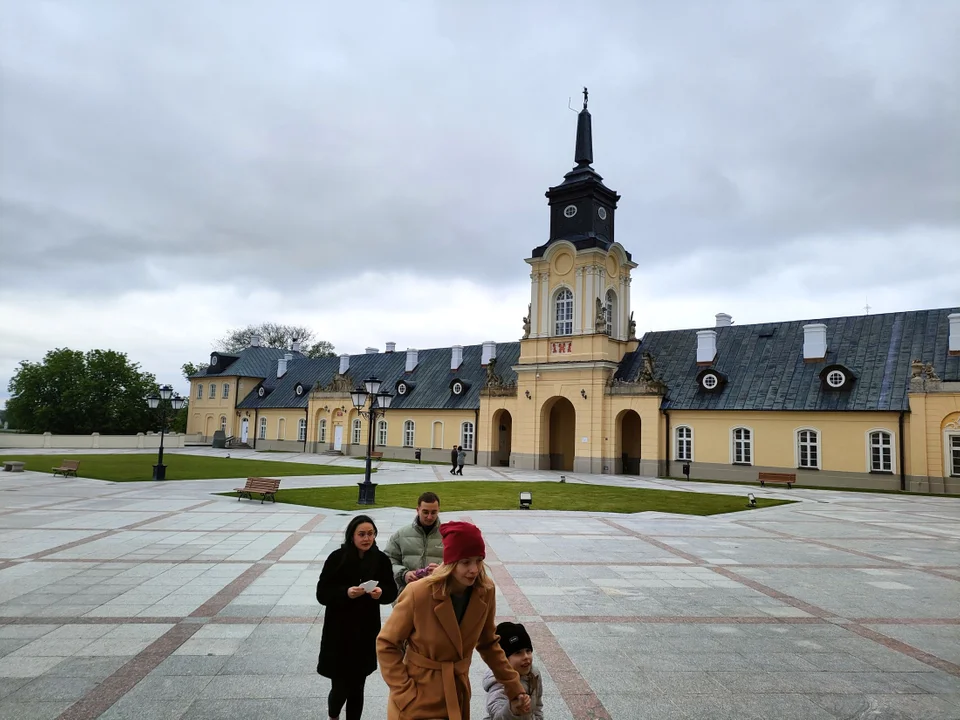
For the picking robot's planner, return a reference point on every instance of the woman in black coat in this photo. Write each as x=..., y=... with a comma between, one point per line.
x=351, y=620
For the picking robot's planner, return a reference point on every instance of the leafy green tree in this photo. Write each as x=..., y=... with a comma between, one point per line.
x=178, y=423
x=276, y=336
x=189, y=368
x=71, y=392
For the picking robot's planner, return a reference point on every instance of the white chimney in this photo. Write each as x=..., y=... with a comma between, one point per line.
x=254, y=340
x=954, y=342
x=814, y=341
x=489, y=352
x=724, y=320
x=295, y=346
x=706, y=346
x=344, y=364
x=282, y=367
x=411, y=359
x=456, y=356
x=391, y=347
x=372, y=351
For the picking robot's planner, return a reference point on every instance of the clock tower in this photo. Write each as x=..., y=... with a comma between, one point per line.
x=582, y=208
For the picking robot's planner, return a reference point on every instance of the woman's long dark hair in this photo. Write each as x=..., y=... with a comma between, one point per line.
x=350, y=552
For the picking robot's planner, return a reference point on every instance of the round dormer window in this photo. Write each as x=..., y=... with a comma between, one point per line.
x=836, y=378
x=458, y=388
x=710, y=381
x=299, y=389
x=261, y=392
x=402, y=389
x=213, y=359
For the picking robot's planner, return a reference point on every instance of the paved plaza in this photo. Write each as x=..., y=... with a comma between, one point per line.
x=164, y=600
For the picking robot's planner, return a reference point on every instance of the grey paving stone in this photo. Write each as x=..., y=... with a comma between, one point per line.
x=91, y=667
x=33, y=710
x=49, y=688
x=138, y=709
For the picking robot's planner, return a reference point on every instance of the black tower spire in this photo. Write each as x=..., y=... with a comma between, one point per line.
x=582, y=208
x=584, y=152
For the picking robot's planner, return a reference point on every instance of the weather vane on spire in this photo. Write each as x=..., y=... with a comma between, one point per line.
x=585, y=95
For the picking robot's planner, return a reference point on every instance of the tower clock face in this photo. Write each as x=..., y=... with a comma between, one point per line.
x=602, y=213
x=569, y=211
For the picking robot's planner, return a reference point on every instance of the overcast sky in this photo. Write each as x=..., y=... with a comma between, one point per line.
x=376, y=170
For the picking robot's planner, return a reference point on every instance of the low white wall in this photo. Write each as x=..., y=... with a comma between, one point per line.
x=140, y=441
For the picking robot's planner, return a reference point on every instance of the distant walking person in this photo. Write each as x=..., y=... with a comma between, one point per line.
x=351, y=618
x=454, y=455
x=461, y=459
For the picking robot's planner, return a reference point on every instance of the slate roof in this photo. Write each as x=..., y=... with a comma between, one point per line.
x=431, y=379
x=252, y=362
x=765, y=369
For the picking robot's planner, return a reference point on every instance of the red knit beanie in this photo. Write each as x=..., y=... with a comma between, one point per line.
x=461, y=540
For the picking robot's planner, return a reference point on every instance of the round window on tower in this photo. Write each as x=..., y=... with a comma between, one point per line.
x=836, y=378
x=602, y=213
x=569, y=211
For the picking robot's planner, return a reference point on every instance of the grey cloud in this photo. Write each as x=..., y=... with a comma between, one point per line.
x=297, y=138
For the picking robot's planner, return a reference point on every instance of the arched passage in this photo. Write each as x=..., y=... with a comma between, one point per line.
x=628, y=440
x=559, y=433
x=502, y=432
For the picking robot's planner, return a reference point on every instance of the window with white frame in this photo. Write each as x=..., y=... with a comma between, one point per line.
x=466, y=435
x=381, y=432
x=684, y=443
x=199, y=391
x=302, y=429
x=881, y=452
x=742, y=446
x=213, y=391
x=954, y=455
x=408, y=433
x=808, y=449
x=610, y=312
x=226, y=391
x=223, y=423
x=563, y=312
x=322, y=431
x=263, y=429
x=357, y=429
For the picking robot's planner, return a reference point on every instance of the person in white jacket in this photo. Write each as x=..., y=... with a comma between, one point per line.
x=518, y=648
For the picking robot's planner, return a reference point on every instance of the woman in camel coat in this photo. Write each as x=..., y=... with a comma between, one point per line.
x=440, y=620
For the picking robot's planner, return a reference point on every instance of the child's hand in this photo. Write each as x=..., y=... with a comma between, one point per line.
x=376, y=593
x=520, y=705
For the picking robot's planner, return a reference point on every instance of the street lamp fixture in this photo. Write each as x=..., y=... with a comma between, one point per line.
x=379, y=403
x=165, y=399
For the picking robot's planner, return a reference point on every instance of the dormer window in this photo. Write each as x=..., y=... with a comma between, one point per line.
x=261, y=392
x=214, y=360
x=298, y=389
x=836, y=377
x=404, y=387
x=710, y=380
x=457, y=388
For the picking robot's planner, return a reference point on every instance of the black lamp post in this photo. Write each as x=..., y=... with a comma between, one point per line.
x=379, y=402
x=166, y=399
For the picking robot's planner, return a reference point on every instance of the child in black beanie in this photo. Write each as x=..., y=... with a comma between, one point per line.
x=518, y=648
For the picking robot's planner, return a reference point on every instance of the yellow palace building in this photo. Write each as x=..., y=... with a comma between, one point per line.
x=870, y=401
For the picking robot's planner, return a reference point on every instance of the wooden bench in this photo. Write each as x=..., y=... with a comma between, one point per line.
x=264, y=487
x=13, y=466
x=67, y=468
x=376, y=455
x=768, y=477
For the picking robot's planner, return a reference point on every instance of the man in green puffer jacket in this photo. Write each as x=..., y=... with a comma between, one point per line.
x=416, y=549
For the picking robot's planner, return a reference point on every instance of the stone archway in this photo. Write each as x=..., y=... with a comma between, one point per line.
x=502, y=431
x=558, y=441
x=628, y=442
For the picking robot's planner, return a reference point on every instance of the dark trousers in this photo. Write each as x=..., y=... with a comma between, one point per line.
x=349, y=691
x=453, y=469
x=459, y=470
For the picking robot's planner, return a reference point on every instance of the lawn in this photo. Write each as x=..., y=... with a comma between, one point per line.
x=482, y=495
x=139, y=467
